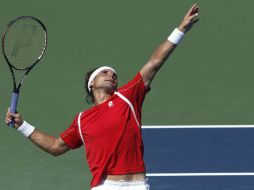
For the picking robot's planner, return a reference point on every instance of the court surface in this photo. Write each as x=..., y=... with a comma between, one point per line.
x=200, y=157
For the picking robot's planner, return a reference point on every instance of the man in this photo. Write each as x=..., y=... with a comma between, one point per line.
x=110, y=130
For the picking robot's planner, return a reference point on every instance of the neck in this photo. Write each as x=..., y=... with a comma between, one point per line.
x=100, y=97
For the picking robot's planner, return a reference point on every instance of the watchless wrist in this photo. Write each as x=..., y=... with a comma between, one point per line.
x=26, y=129
x=176, y=36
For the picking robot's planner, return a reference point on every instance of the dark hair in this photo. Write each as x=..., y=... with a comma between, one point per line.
x=89, y=95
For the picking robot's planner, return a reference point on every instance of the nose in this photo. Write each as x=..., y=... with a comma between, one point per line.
x=111, y=74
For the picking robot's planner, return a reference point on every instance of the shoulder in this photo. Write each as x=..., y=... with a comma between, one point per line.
x=136, y=80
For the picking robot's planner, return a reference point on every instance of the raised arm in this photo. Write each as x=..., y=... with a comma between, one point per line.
x=162, y=53
x=48, y=143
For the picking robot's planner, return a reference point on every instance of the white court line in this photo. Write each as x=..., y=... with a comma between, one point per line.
x=195, y=126
x=199, y=174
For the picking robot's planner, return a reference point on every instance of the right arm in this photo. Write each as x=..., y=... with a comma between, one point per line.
x=48, y=143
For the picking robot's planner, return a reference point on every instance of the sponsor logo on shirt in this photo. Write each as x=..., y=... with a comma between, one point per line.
x=110, y=104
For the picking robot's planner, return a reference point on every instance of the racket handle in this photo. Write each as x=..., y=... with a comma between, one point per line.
x=14, y=102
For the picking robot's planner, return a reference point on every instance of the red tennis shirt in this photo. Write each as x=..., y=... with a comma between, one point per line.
x=112, y=137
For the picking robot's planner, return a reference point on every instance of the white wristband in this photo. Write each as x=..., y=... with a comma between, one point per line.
x=176, y=36
x=26, y=129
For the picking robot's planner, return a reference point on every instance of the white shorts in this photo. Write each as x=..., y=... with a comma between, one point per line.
x=123, y=185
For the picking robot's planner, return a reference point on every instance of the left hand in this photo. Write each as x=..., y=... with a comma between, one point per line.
x=190, y=18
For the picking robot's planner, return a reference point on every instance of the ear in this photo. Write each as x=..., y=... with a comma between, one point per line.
x=92, y=83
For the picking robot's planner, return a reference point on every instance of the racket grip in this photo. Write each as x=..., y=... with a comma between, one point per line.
x=14, y=102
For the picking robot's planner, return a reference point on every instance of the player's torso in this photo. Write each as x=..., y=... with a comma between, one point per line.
x=110, y=129
x=104, y=120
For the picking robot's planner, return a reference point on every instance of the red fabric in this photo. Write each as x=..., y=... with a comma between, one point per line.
x=113, y=141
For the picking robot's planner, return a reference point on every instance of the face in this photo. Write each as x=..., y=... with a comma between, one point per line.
x=106, y=80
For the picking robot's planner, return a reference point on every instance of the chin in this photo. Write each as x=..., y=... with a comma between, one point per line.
x=110, y=89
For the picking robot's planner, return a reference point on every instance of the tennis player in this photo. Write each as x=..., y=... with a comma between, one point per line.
x=111, y=129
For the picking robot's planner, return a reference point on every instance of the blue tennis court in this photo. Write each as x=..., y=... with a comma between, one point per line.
x=200, y=158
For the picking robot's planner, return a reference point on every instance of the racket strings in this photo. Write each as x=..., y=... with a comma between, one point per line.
x=24, y=42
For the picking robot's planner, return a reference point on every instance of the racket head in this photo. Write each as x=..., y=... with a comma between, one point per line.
x=24, y=41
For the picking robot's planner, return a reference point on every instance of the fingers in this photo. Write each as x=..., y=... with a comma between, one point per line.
x=194, y=17
x=11, y=114
x=8, y=119
x=192, y=14
x=193, y=10
x=8, y=116
x=189, y=19
x=16, y=117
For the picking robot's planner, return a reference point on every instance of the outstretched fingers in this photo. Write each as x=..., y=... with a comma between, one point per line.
x=193, y=10
x=194, y=18
x=190, y=18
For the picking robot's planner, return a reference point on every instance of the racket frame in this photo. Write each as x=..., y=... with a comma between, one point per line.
x=16, y=89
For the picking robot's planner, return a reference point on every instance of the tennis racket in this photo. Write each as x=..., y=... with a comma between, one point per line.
x=24, y=42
